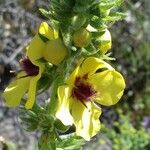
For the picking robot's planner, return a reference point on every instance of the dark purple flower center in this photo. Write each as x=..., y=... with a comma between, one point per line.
x=29, y=67
x=82, y=90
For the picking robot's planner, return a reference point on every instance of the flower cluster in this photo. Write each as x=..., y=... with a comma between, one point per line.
x=92, y=83
x=78, y=89
x=31, y=68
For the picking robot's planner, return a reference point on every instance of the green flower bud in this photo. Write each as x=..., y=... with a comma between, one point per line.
x=105, y=42
x=82, y=38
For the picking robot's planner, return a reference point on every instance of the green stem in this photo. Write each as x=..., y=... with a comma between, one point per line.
x=47, y=141
x=51, y=107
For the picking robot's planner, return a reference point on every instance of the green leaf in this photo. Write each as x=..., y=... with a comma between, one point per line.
x=44, y=83
x=89, y=50
x=46, y=122
x=78, y=21
x=44, y=12
x=60, y=127
x=105, y=6
x=115, y=16
x=71, y=142
x=84, y=5
x=66, y=34
x=59, y=13
x=28, y=119
x=47, y=76
x=47, y=142
x=97, y=23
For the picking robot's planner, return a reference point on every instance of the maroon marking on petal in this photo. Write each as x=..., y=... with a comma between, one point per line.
x=29, y=67
x=82, y=90
x=85, y=76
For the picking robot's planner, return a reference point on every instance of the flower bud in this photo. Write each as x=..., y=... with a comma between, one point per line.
x=82, y=38
x=47, y=31
x=55, y=51
x=105, y=42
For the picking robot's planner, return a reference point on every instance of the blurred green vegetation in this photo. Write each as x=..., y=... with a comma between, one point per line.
x=126, y=136
x=123, y=136
x=131, y=47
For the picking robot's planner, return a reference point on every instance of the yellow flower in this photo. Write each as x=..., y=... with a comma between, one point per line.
x=32, y=69
x=53, y=50
x=37, y=46
x=27, y=79
x=93, y=81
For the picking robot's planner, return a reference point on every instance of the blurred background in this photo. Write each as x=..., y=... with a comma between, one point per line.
x=125, y=125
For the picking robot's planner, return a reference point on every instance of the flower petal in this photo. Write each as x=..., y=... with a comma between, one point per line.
x=16, y=89
x=55, y=51
x=47, y=31
x=72, y=77
x=35, y=49
x=91, y=64
x=37, y=46
x=86, y=120
x=110, y=85
x=32, y=88
x=63, y=112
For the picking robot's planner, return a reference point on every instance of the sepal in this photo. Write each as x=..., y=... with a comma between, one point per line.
x=60, y=127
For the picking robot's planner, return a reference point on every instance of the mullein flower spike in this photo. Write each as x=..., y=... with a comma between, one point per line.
x=32, y=70
x=93, y=81
x=76, y=97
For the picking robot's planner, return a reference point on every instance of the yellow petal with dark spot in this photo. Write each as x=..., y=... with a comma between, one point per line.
x=32, y=88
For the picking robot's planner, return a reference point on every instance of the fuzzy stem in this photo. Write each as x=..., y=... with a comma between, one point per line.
x=51, y=107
